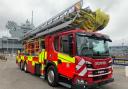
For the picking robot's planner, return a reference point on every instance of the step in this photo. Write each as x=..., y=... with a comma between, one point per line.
x=42, y=77
x=65, y=84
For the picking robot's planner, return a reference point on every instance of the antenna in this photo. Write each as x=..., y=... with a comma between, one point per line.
x=32, y=18
x=82, y=2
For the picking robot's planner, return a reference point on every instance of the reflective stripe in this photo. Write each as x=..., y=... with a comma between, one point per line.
x=42, y=56
x=30, y=58
x=45, y=55
x=22, y=57
x=42, y=67
x=83, y=72
x=33, y=63
x=66, y=58
x=17, y=57
x=78, y=67
x=80, y=64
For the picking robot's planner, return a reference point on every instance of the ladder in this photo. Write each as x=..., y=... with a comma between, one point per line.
x=73, y=17
x=55, y=24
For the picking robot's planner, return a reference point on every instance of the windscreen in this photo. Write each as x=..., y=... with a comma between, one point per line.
x=91, y=46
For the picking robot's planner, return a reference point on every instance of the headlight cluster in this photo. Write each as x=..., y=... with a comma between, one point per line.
x=89, y=64
x=110, y=63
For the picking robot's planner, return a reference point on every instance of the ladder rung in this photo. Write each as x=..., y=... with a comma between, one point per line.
x=66, y=24
x=51, y=22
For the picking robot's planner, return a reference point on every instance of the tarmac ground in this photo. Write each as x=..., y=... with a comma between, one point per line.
x=11, y=77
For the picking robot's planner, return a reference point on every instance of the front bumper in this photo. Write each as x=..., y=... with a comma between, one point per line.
x=84, y=86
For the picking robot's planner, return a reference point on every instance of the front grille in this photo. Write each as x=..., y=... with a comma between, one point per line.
x=99, y=77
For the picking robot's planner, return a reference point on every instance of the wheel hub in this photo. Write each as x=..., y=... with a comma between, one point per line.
x=25, y=67
x=51, y=76
x=21, y=65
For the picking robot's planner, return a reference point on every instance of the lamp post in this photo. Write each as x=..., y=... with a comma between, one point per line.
x=123, y=49
x=7, y=45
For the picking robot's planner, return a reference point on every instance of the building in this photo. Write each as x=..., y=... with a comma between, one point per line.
x=119, y=51
x=14, y=43
x=10, y=45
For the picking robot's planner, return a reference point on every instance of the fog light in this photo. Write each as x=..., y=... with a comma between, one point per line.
x=80, y=81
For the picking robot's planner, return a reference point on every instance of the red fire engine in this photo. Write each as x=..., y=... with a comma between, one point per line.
x=66, y=50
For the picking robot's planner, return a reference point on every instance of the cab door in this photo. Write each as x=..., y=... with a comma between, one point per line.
x=66, y=61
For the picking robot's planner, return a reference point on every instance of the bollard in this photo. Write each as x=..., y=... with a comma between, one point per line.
x=126, y=71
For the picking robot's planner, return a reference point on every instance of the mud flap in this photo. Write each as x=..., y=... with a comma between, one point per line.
x=37, y=69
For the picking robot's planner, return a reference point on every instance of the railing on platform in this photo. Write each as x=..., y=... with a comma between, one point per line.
x=120, y=61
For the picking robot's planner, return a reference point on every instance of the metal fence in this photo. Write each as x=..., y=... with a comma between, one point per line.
x=120, y=61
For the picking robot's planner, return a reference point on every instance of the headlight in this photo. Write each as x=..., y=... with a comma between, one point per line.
x=89, y=64
x=110, y=63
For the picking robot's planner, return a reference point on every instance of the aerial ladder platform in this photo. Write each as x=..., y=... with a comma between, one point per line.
x=72, y=17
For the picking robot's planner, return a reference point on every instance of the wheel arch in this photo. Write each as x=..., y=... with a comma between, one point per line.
x=48, y=64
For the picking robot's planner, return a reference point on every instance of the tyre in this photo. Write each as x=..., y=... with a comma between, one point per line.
x=52, y=76
x=21, y=65
x=25, y=67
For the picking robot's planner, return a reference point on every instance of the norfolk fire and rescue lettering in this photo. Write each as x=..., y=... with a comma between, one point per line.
x=62, y=51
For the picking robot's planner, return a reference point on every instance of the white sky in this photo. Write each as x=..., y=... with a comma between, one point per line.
x=20, y=10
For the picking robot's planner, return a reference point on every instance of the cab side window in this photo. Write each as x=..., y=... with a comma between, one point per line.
x=66, y=45
x=56, y=43
x=42, y=44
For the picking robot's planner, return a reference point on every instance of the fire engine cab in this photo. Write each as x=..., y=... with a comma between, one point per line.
x=67, y=50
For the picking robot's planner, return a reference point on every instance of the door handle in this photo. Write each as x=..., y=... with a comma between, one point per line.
x=59, y=61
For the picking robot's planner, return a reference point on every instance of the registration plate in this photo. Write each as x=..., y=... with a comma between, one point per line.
x=101, y=71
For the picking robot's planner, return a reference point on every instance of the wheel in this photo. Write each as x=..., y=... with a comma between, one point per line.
x=52, y=76
x=25, y=67
x=21, y=65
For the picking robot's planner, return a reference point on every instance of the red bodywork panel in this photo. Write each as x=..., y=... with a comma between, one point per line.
x=30, y=68
x=100, y=66
x=51, y=53
x=64, y=70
